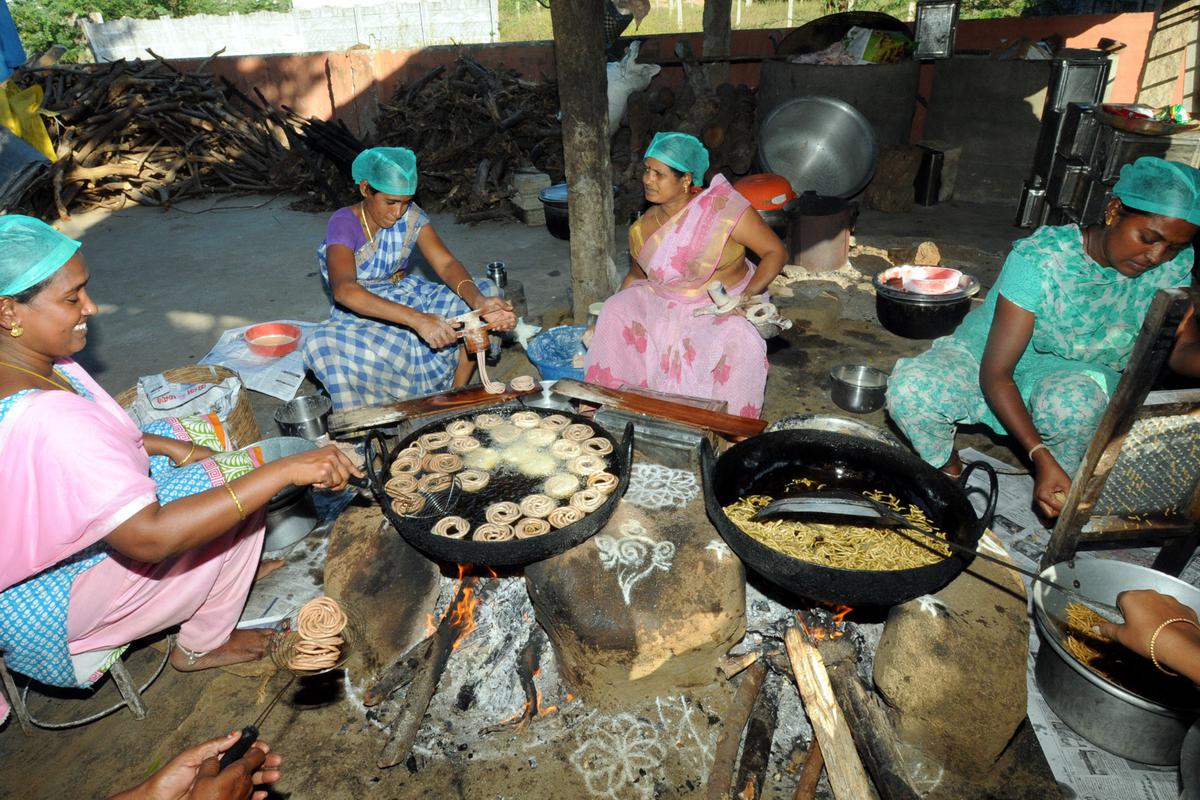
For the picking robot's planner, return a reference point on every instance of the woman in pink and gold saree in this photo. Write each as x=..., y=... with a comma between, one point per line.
x=647, y=335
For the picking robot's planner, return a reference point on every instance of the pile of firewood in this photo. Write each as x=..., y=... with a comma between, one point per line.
x=470, y=127
x=144, y=132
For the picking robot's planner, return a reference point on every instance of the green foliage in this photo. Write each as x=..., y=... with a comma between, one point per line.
x=43, y=23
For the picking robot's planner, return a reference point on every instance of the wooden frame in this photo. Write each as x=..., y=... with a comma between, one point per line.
x=1132, y=401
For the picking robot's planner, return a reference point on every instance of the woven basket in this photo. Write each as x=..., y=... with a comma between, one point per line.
x=241, y=425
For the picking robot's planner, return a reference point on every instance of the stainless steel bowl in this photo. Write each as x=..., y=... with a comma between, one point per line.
x=820, y=144
x=858, y=388
x=306, y=417
x=1107, y=715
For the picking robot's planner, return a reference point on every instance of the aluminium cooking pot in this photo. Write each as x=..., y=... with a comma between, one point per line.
x=417, y=529
x=766, y=463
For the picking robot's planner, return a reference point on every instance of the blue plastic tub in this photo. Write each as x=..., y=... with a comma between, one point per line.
x=551, y=352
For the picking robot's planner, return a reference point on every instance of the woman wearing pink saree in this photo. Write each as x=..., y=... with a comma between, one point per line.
x=647, y=335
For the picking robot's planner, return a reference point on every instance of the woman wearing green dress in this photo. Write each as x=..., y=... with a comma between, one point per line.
x=1041, y=357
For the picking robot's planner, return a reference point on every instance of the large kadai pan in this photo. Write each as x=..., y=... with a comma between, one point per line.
x=417, y=530
x=765, y=464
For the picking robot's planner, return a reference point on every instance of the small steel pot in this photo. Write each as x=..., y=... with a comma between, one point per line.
x=306, y=417
x=922, y=316
x=858, y=388
x=290, y=513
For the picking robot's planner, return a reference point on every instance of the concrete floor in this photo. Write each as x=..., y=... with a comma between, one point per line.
x=168, y=283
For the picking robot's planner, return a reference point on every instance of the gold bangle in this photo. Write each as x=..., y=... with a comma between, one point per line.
x=188, y=457
x=236, y=502
x=458, y=285
x=1154, y=640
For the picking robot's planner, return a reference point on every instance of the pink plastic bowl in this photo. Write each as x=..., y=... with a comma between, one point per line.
x=928, y=280
x=272, y=339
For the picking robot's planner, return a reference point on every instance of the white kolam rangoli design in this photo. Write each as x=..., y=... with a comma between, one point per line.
x=655, y=487
x=633, y=555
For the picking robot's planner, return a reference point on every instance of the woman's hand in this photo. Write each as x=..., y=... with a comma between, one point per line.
x=498, y=313
x=195, y=774
x=435, y=331
x=1178, y=644
x=326, y=468
x=1051, y=484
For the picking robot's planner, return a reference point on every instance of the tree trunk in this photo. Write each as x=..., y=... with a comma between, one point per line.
x=718, y=37
x=583, y=97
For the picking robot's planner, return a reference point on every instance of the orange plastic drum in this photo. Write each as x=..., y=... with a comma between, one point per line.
x=765, y=191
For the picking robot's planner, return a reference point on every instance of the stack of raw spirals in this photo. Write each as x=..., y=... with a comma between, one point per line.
x=319, y=641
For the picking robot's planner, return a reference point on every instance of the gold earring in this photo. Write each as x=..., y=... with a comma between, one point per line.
x=16, y=331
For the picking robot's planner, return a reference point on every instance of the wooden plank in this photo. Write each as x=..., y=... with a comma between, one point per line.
x=847, y=777
x=726, y=425
x=720, y=776
x=366, y=417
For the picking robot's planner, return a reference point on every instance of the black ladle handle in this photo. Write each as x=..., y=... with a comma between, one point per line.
x=241, y=746
x=375, y=482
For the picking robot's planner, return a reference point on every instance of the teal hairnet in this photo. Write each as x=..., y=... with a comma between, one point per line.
x=30, y=252
x=391, y=170
x=1161, y=187
x=681, y=151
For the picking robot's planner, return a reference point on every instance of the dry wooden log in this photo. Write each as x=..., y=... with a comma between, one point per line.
x=810, y=772
x=756, y=750
x=720, y=776
x=873, y=734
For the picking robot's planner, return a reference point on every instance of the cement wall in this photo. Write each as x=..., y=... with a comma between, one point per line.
x=394, y=25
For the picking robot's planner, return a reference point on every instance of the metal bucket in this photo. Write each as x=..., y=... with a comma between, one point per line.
x=290, y=513
x=306, y=417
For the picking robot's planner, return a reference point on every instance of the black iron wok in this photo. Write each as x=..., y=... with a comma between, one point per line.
x=515, y=551
x=765, y=464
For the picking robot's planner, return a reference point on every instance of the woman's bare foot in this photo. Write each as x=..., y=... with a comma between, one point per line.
x=265, y=568
x=248, y=645
x=954, y=467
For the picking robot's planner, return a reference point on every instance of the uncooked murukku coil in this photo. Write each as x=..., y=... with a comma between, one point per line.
x=403, y=483
x=319, y=624
x=434, y=441
x=503, y=513
x=460, y=427
x=563, y=516
x=442, y=462
x=603, y=481
x=505, y=434
x=464, y=444
x=566, y=449
x=587, y=464
x=528, y=528
x=588, y=500
x=522, y=383
x=488, y=421
x=493, y=532
x=540, y=437
x=537, y=505
x=562, y=485
x=578, y=432
x=597, y=446
x=555, y=422
x=452, y=527
x=473, y=480
x=405, y=465
x=526, y=419
x=407, y=504
x=433, y=482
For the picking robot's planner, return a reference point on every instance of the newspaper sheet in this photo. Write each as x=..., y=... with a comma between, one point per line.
x=1083, y=770
x=278, y=377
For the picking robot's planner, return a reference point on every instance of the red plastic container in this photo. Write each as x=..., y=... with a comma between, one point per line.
x=272, y=339
x=765, y=191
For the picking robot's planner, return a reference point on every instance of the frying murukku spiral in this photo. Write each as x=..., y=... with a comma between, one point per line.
x=493, y=532
x=460, y=427
x=597, y=446
x=578, y=432
x=566, y=449
x=488, y=421
x=555, y=422
x=414, y=450
x=473, y=480
x=540, y=437
x=603, y=481
x=452, y=527
x=464, y=444
x=505, y=433
x=434, y=441
x=505, y=512
x=529, y=527
x=562, y=485
x=442, y=462
x=402, y=483
x=522, y=383
x=563, y=516
x=537, y=505
x=407, y=504
x=588, y=500
x=483, y=458
x=526, y=419
x=432, y=482
x=405, y=465
x=587, y=464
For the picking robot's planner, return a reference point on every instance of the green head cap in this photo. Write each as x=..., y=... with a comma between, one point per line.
x=391, y=170
x=30, y=252
x=682, y=151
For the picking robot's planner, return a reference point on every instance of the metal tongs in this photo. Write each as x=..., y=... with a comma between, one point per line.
x=843, y=507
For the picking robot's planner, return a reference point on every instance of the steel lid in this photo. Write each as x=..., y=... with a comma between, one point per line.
x=968, y=286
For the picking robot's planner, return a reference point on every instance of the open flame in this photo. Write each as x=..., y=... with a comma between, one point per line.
x=462, y=614
x=823, y=623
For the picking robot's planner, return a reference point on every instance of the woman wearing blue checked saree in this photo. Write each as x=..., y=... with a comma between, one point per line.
x=387, y=337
